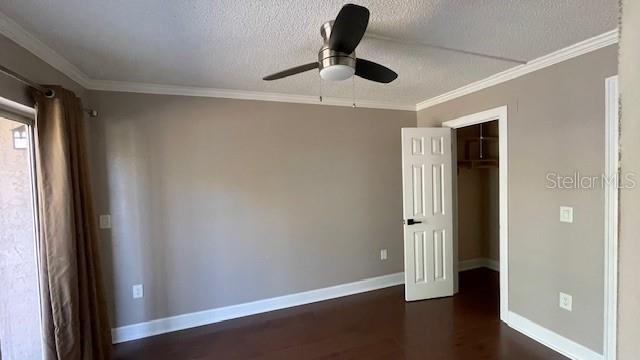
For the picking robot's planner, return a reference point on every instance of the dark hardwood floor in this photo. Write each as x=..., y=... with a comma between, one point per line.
x=373, y=325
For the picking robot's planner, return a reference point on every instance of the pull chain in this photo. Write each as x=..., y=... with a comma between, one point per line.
x=320, y=89
x=353, y=90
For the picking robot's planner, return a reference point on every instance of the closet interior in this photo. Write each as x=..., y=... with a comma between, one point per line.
x=478, y=196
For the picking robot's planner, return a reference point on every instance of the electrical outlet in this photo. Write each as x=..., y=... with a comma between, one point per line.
x=566, y=214
x=138, y=291
x=383, y=254
x=566, y=301
x=105, y=221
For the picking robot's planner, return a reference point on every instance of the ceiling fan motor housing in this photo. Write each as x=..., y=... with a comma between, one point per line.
x=337, y=56
x=334, y=65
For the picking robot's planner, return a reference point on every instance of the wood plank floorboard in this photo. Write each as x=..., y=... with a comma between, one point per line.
x=374, y=325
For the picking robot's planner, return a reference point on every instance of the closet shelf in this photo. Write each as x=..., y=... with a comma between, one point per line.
x=478, y=163
x=482, y=159
x=479, y=138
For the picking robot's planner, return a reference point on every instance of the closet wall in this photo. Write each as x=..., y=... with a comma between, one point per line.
x=478, y=185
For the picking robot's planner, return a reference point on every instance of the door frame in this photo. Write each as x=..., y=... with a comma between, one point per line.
x=611, y=191
x=499, y=114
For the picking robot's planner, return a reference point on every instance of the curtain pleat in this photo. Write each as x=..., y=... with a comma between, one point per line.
x=74, y=311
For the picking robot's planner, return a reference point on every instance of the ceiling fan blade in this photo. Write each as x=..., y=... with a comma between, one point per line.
x=375, y=72
x=292, y=71
x=348, y=28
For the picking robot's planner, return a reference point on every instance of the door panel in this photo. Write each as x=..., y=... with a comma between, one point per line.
x=418, y=191
x=427, y=187
x=419, y=240
x=437, y=187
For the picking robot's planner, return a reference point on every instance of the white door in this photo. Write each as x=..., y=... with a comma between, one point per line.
x=427, y=212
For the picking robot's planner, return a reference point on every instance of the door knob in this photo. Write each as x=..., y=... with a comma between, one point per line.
x=411, y=222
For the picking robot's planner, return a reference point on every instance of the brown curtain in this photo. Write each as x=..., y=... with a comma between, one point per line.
x=74, y=314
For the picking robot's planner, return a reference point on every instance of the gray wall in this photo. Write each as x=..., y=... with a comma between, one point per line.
x=629, y=285
x=471, y=196
x=217, y=202
x=556, y=124
x=26, y=64
x=204, y=216
x=478, y=214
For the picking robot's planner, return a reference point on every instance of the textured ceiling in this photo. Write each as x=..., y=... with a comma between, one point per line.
x=232, y=44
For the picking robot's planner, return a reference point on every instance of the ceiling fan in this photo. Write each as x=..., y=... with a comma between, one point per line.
x=337, y=58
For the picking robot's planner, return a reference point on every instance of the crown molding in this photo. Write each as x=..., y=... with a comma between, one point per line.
x=569, y=52
x=159, y=89
x=22, y=37
x=25, y=39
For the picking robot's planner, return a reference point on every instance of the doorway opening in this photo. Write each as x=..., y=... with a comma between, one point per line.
x=429, y=169
x=481, y=159
x=478, y=208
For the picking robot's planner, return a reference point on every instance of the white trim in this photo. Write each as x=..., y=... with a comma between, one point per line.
x=134, y=87
x=548, y=338
x=570, y=52
x=17, y=108
x=454, y=208
x=476, y=118
x=500, y=114
x=493, y=265
x=35, y=201
x=478, y=263
x=200, y=318
x=22, y=37
x=611, y=218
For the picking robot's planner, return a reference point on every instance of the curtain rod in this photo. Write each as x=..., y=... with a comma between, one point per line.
x=46, y=91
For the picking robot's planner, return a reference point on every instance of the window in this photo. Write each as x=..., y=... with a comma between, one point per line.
x=20, y=332
x=20, y=140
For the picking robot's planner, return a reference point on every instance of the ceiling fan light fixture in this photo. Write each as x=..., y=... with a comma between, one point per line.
x=337, y=72
x=337, y=56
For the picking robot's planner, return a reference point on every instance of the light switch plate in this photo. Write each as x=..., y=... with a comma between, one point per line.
x=138, y=291
x=566, y=301
x=566, y=214
x=383, y=254
x=105, y=221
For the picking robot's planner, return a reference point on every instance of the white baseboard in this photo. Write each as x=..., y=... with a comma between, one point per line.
x=544, y=336
x=185, y=321
x=550, y=339
x=477, y=263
